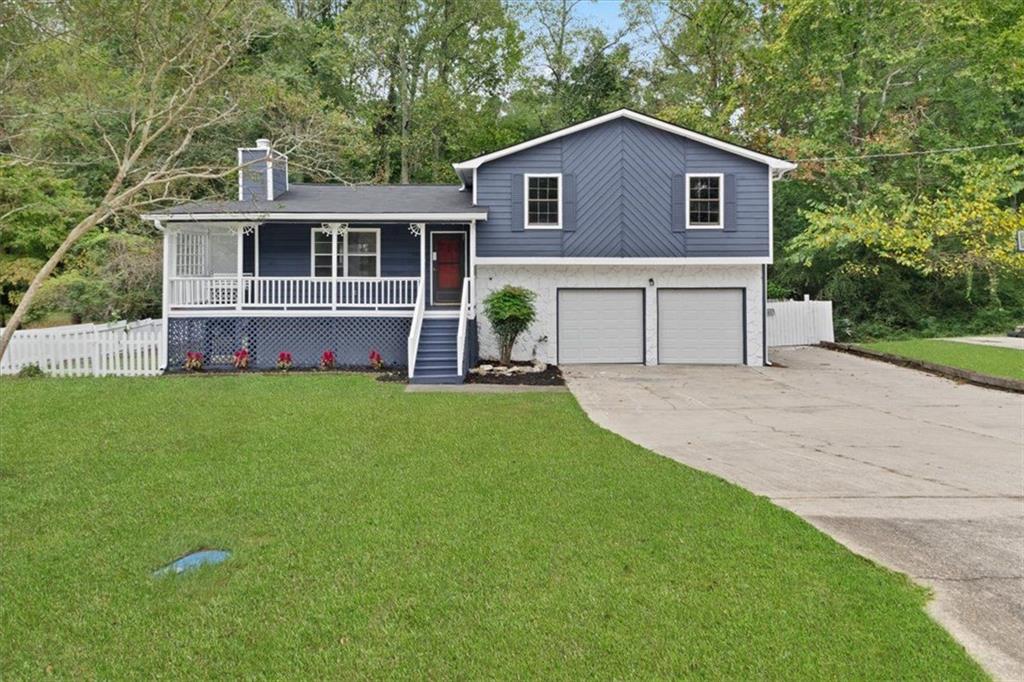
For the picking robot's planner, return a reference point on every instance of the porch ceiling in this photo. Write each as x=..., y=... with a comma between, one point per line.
x=340, y=202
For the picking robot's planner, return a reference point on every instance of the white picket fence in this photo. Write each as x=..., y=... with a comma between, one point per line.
x=799, y=323
x=114, y=349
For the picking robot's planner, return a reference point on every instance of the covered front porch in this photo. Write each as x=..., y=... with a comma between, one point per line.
x=277, y=267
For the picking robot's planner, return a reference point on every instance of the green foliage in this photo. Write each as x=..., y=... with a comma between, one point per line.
x=111, y=276
x=994, y=361
x=510, y=311
x=31, y=371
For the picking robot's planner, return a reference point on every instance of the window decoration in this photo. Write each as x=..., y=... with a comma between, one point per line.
x=704, y=195
x=544, y=201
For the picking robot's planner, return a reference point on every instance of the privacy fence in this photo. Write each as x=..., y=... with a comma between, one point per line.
x=114, y=349
x=799, y=323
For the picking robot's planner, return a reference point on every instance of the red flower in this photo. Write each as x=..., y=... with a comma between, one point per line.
x=376, y=360
x=327, y=360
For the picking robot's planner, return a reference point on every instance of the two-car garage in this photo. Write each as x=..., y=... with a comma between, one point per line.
x=694, y=325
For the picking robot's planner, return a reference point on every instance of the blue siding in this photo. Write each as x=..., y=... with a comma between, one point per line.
x=285, y=249
x=623, y=173
x=254, y=176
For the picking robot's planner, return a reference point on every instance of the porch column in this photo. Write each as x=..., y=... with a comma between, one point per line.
x=423, y=258
x=472, y=269
x=240, y=236
x=334, y=267
x=167, y=294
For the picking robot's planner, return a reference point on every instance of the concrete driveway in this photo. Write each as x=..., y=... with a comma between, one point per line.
x=916, y=472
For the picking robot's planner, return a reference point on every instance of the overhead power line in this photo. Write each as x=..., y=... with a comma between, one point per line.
x=948, y=150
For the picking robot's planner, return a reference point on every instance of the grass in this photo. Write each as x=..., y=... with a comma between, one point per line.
x=381, y=534
x=999, y=362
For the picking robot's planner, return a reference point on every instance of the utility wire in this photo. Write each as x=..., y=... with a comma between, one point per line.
x=948, y=150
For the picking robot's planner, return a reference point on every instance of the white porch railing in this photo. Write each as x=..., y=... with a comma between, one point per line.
x=293, y=292
x=415, y=327
x=465, y=306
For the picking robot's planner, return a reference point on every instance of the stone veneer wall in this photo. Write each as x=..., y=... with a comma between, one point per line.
x=540, y=341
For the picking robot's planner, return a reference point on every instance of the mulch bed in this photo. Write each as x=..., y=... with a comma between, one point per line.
x=552, y=376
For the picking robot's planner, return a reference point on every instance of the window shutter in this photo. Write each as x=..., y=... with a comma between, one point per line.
x=730, y=203
x=518, y=219
x=678, y=203
x=568, y=216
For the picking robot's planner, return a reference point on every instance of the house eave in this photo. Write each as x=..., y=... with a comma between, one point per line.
x=267, y=216
x=463, y=168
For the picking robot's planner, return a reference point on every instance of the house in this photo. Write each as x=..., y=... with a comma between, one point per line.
x=645, y=242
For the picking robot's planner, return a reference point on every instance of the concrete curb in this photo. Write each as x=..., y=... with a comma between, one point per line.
x=954, y=373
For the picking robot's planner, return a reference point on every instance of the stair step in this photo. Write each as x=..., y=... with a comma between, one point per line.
x=449, y=366
x=437, y=352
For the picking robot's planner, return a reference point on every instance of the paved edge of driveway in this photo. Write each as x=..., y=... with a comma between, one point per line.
x=954, y=373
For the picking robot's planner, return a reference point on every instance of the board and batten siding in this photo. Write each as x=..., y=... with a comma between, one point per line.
x=623, y=172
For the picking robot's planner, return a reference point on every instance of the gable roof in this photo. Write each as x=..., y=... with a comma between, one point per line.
x=778, y=166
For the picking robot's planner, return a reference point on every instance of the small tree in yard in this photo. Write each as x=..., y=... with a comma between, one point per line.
x=510, y=311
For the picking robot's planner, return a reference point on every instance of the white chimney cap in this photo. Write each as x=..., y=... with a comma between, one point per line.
x=263, y=143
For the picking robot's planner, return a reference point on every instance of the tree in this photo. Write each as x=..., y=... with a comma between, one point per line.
x=37, y=209
x=125, y=89
x=510, y=311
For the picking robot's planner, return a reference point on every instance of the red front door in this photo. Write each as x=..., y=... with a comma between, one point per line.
x=449, y=267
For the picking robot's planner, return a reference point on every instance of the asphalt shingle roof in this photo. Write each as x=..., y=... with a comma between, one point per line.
x=375, y=199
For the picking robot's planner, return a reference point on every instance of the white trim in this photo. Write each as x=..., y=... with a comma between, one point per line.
x=256, y=250
x=270, y=178
x=344, y=251
x=311, y=217
x=776, y=164
x=771, y=216
x=472, y=270
x=526, y=201
x=240, y=171
x=555, y=260
x=465, y=260
x=220, y=312
x=165, y=298
x=474, y=186
x=721, y=201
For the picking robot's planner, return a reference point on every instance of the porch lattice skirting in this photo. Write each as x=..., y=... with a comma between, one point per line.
x=306, y=338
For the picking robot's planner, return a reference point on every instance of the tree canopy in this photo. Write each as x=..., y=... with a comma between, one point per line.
x=906, y=118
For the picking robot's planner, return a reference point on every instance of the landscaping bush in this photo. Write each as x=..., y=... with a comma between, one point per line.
x=510, y=311
x=30, y=372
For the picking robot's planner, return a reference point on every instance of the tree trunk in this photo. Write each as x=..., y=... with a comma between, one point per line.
x=89, y=222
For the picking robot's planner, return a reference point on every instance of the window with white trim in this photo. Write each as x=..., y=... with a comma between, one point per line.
x=704, y=201
x=358, y=252
x=543, y=195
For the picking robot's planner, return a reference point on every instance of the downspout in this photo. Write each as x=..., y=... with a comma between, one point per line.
x=764, y=315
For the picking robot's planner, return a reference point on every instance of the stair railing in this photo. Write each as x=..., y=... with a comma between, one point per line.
x=460, y=339
x=416, y=326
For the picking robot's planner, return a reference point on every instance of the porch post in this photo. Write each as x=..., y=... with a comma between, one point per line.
x=256, y=264
x=334, y=267
x=166, y=296
x=238, y=270
x=472, y=269
x=423, y=259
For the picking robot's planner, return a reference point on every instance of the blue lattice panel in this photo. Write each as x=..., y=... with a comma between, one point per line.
x=306, y=338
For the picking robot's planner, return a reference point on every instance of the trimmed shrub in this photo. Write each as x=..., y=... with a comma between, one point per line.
x=511, y=312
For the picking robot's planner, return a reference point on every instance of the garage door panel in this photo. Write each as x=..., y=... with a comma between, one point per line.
x=700, y=326
x=600, y=326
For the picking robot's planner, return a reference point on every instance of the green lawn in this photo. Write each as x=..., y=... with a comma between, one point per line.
x=380, y=534
x=1000, y=362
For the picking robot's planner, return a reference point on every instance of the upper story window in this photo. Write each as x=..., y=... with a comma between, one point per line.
x=543, y=202
x=704, y=196
x=358, y=252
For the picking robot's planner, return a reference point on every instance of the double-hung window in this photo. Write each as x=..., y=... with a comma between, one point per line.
x=358, y=252
x=543, y=195
x=704, y=201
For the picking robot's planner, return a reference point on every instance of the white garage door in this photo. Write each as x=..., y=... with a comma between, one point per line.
x=600, y=325
x=700, y=326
